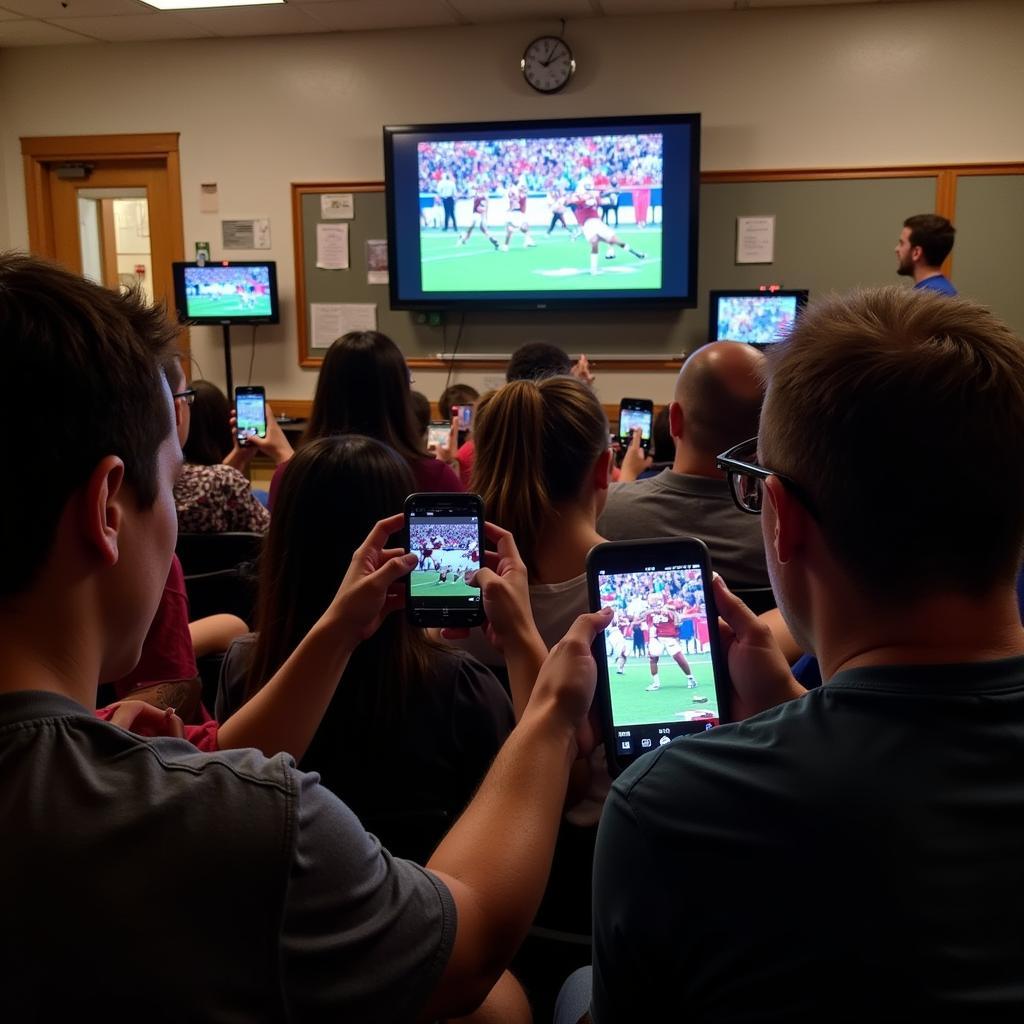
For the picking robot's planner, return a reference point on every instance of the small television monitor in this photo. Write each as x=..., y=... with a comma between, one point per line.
x=570, y=213
x=755, y=317
x=226, y=292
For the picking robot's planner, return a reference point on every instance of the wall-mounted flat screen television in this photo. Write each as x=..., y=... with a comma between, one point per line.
x=544, y=214
x=755, y=317
x=222, y=292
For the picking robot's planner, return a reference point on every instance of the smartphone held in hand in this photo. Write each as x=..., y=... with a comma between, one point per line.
x=446, y=533
x=633, y=413
x=660, y=673
x=250, y=413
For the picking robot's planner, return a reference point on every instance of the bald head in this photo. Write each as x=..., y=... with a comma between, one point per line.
x=719, y=390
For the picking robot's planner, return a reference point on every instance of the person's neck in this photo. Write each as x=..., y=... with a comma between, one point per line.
x=922, y=273
x=694, y=463
x=945, y=629
x=34, y=660
x=565, y=542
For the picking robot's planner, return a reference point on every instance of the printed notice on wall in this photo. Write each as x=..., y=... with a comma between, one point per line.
x=261, y=233
x=376, y=261
x=332, y=246
x=755, y=239
x=337, y=206
x=208, y=197
x=238, y=234
x=328, y=321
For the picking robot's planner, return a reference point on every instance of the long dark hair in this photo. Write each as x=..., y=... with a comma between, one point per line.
x=363, y=388
x=209, y=432
x=332, y=492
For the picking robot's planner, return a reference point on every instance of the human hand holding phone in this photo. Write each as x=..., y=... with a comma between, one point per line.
x=275, y=445
x=758, y=672
x=636, y=459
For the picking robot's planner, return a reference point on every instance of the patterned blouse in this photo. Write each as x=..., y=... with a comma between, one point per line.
x=217, y=499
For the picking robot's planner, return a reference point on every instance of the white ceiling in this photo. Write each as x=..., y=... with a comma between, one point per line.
x=50, y=22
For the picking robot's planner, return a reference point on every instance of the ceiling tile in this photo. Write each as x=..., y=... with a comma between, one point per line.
x=36, y=33
x=50, y=10
x=136, y=28
x=478, y=11
x=355, y=15
x=255, y=21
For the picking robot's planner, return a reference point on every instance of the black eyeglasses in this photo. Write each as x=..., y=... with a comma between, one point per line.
x=188, y=396
x=747, y=477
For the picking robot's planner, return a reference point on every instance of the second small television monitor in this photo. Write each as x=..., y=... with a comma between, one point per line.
x=224, y=292
x=754, y=317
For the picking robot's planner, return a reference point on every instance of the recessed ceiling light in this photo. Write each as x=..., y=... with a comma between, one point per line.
x=195, y=5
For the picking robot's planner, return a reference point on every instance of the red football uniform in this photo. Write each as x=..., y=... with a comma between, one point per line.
x=586, y=208
x=479, y=204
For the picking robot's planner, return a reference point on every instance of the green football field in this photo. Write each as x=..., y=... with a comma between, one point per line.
x=228, y=305
x=555, y=263
x=426, y=583
x=632, y=704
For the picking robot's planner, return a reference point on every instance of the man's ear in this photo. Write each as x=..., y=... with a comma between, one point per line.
x=916, y=254
x=675, y=419
x=103, y=508
x=790, y=517
x=603, y=470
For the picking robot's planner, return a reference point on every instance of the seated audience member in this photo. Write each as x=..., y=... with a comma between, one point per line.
x=662, y=453
x=716, y=404
x=442, y=709
x=323, y=922
x=859, y=847
x=212, y=494
x=535, y=360
x=363, y=388
x=458, y=449
x=421, y=415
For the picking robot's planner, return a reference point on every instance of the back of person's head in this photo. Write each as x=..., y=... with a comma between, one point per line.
x=456, y=394
x=363, y=388
x=536, y=442
x=536, y=360
x=209, y=435
x=90, y=357
x=720, y=389
x=894, y=411
x=332, y=492
x=934, y=234
x=420, y=412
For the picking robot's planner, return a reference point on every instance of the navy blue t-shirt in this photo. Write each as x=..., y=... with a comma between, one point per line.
x=853, y=855
x=938, y=283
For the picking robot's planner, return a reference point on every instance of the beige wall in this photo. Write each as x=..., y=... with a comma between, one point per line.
x=831, y=86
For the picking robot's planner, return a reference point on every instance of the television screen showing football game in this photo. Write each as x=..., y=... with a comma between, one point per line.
x=544, y=214
x=448, y=551
x=226, y=293
x=659, y=655
x=755, y=317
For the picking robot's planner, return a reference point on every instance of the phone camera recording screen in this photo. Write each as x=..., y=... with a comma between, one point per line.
x=629, y=419
x=660, y=674
x=251, y=415
x=448, y=552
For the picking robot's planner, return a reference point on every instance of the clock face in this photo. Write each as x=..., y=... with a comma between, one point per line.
x=547, y=64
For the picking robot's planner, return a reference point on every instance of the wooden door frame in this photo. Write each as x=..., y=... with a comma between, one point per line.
x=38, y=152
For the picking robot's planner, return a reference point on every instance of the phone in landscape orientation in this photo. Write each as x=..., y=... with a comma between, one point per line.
x=446, y=533
x=250, y=413
x=660, y=672
x=464, y=414
x=437, y=434
x=636, y=412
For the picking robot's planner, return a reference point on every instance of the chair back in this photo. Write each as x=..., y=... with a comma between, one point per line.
x=211, y=552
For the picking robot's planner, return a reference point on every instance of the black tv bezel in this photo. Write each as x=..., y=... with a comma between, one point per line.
x=178, y=268
x=555, y=301
x=800, y=294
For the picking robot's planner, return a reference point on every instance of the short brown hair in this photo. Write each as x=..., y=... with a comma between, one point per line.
x=934, y=234
x=82, y=365
x=535, y=443
x=895, y=411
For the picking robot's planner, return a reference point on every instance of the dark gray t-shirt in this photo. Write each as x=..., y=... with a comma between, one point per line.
x=680, y=505
x=145, y=880
x=854, y=855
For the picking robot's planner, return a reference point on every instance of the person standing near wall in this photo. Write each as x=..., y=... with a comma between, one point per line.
x=925, y=241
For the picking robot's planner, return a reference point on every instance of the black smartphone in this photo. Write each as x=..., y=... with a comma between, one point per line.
x=446, y=532
x=250, y=413
x=636, y=412
x=660, y=672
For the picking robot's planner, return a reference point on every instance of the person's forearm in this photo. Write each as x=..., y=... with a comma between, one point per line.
x=501, y=847
x=285, y=714
x=523, y=661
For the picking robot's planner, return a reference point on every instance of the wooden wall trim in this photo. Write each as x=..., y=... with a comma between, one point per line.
x=80, y=147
